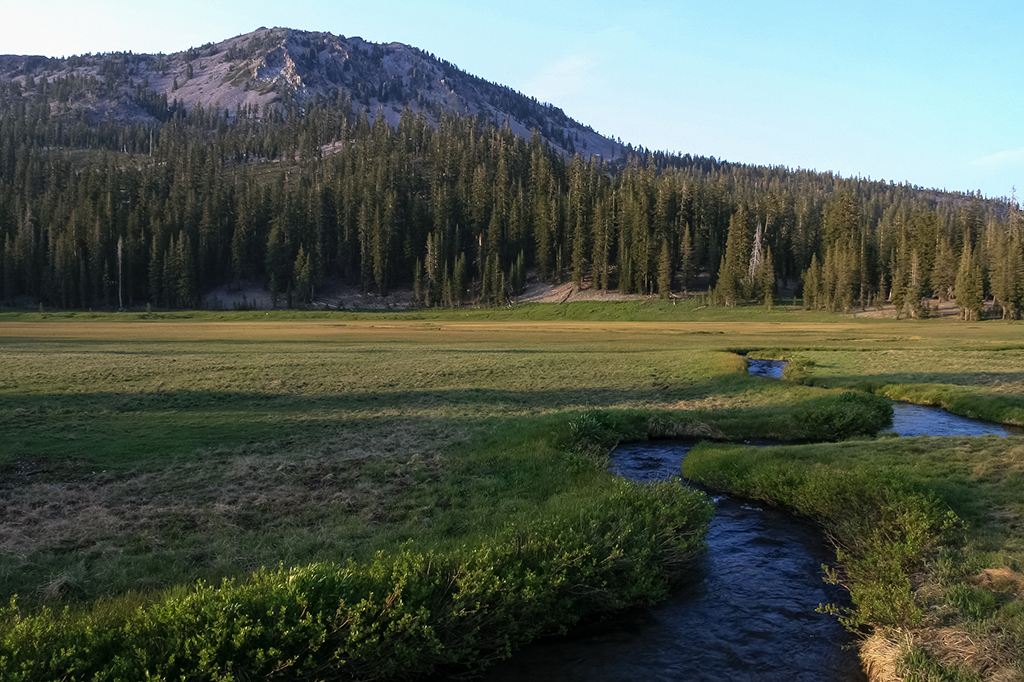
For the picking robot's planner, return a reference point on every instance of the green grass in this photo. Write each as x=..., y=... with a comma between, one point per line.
x=641, y=310
x=974, y=381
x=144, y=452
x=148, y=455
x=524, y=533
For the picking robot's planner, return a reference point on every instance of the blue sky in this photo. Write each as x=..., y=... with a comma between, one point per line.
x=923, y=92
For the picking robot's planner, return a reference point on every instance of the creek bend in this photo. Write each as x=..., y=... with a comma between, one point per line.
x=746, y=611
x=909, y=419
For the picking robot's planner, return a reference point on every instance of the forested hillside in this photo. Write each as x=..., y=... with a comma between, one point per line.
x=115, y=212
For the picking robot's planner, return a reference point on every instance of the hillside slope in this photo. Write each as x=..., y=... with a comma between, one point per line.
x=267, y=69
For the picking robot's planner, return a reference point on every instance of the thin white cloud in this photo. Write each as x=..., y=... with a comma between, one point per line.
x=999, y=159
x=564, y=77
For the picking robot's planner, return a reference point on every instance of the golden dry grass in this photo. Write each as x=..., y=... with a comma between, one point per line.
x=880, y=656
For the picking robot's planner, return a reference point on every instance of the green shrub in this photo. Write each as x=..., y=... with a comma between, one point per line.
x=839, y=417
x=593, y=435
x=402, y=614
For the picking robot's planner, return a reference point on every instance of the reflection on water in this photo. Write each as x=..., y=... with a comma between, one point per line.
x=747, y=611
x=766, y=368
x=920, y=420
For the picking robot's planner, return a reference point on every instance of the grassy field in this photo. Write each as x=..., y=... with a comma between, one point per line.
x=147, y=451
x=142, y=454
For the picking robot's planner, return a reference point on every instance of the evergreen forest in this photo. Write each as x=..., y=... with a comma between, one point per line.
x=111, y=214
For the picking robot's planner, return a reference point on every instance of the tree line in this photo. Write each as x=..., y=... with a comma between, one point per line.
x=104, y=215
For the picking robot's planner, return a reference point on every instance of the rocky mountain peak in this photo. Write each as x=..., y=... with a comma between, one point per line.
x=277, y=67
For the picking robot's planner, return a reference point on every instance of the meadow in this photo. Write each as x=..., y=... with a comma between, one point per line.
x=148, y=456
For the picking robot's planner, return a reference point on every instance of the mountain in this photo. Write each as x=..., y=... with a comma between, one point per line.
x=270, y=69
x=129, y=180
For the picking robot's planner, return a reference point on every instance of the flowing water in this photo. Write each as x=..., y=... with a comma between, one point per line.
x=920, y=420
x=909, y=419
x=747, y=611
x=766, y=368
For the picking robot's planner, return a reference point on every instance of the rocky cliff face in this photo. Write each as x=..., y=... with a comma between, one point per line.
x=270, y=69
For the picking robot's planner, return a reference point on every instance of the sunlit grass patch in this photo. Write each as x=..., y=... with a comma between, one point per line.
x=929, y=534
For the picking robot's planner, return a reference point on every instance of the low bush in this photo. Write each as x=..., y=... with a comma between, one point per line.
x=839, y=417
x=593, y=435
x=402, y=614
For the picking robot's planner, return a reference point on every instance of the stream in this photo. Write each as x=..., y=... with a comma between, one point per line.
x=747, y=611
x=922, y=420
x=909, y=419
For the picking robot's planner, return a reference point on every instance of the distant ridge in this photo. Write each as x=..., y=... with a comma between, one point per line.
x=273, y=68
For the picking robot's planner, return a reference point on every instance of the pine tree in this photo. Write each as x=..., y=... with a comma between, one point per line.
x=156, y=268
x=417, y=282
x=1008, y=264
x=486, y=281
x=303, y=277
x=435, y=273
x=495, y=293
x=579, y=251
x=969, y=285
x=764, y=279
x=447, y=294
x=10, y=269
x=278, y=260
x=943, y=277
x=458, y=281
x=812, y=285
x=188, y=285
x=686, y=259
x=915, y=286
x=518, y=278
x=664, y=272
x=732, y=274
x=601, y=246
x=827, y=284
x=898, y=294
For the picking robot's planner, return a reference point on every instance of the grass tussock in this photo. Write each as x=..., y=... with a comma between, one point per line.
x=880, y=658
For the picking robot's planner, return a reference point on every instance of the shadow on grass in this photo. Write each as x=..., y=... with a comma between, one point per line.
x=958, y=379
x=53, y=404
x=147, y=429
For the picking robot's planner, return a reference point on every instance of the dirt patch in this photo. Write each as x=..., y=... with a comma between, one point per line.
x=237, y=296
x=335, y=294
x=932, y=306
x=544, y=292
x=224, y=513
